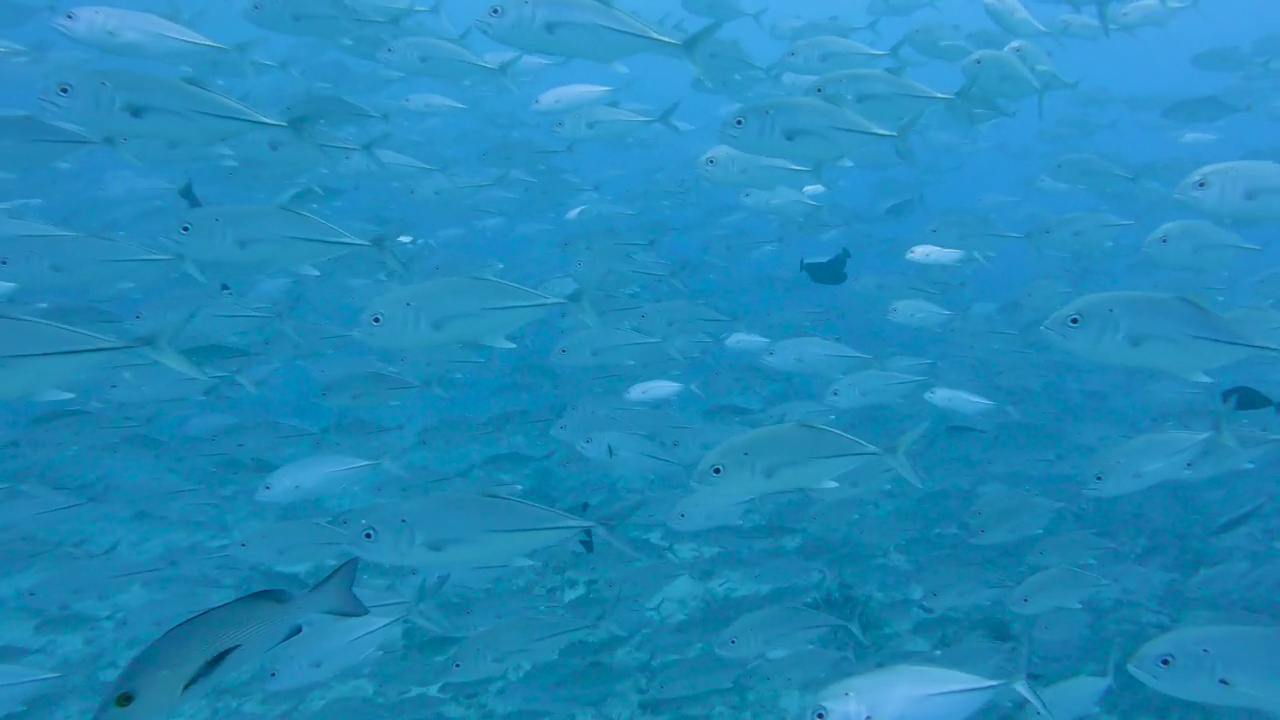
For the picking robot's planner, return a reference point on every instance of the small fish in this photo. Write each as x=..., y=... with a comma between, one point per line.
x=655, y=391
x=959, y=401
x=830, y=271
x=775, y=632
x=1056, y=587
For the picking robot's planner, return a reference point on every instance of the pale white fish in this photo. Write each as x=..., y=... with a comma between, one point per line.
x=430, y=104
x=917, y=312
x=960, y=401
x=1013, y=18
x=1052, y=588
x=570, y=97
x=913, y=692
x=936, y=255
x=656, y=391
x=747, y=342
x=870, y=387
x=319, y=476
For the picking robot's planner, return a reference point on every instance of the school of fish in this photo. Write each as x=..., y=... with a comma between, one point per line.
x=623, y=359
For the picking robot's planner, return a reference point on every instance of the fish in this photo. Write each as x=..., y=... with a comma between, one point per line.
x=830, y=271
x=456, y=530
x=1156, y=331
x=1222, y=665
x=478, y=311
x=194, y=657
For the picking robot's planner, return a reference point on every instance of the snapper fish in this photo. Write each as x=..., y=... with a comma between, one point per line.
x=192, y=658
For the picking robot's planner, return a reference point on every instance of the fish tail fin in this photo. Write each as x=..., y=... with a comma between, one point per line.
x=333, y=595
x=902, y=147
x=506, y=66
x=898, y=460
x=664, y=119
x=874, y=26
x=1222, y=432
x=693, y=43
x=1023, y=687
x=159, y=348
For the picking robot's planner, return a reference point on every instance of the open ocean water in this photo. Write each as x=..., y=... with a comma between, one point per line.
x=639, y=359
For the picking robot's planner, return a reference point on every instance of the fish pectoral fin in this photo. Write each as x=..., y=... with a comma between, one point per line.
x=293, y=632
x=209, y=667
x=1236, y=343
x=496, y=342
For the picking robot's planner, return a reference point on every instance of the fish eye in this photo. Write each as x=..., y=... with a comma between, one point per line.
x=717, y=470
x=818, y=89
x=369, y=534
x=1164, y=239
x=818, y=714
x=977, y=61
x=375, y=319
x=1166, y=661
x=1202, y=183
x=733, y=641
x=1073, y=320
x=124, y=699
x=564, y=350
x=495, y=11
x=711, y=161
x=64, y=89
x=457, y=666
x=69, y=16
x=1098, y=478
x=739, y=122
x=185, y=229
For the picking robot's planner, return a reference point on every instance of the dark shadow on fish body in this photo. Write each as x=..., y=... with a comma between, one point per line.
x=830, y=271
x=1244, y=399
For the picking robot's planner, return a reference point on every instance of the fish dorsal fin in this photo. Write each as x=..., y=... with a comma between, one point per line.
x=276, y=596
x=209, y=667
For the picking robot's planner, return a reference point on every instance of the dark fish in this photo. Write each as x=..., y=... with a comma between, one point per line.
x=1244, y=399
x=827, y=272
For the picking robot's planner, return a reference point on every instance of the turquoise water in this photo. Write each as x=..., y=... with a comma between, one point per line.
x=573, y=359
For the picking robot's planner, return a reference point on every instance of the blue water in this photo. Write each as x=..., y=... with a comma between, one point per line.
x=258, y=318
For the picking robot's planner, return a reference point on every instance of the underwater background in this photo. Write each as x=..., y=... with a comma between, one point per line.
x=584, y=359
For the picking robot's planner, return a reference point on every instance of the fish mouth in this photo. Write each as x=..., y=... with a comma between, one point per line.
x=1050, y=331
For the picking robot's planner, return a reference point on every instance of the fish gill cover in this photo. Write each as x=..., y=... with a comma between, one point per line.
x=369, y=360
